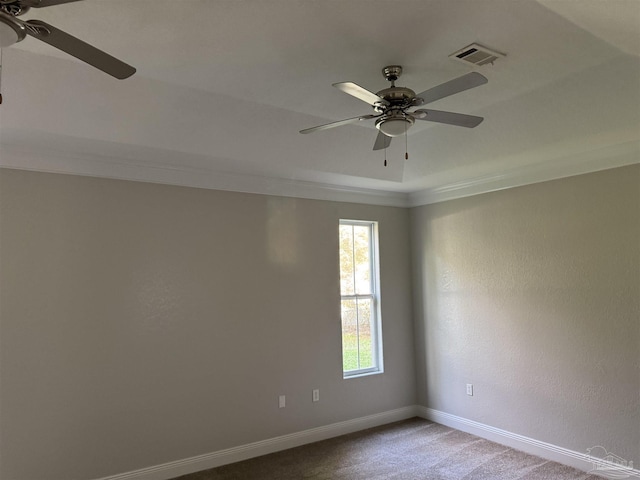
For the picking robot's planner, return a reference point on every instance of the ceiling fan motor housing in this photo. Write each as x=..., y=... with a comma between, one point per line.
x=397, y=95
x=13, y=7
x=394, y=120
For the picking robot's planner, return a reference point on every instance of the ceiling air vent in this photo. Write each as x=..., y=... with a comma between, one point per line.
x=476, y=54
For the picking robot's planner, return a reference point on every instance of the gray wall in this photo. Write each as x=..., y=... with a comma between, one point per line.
x=144, y=323
x=533, y=296
x=141, y=323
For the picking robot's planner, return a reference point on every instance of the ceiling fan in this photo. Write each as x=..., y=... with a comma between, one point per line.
x=13, y=30
x=393, y=105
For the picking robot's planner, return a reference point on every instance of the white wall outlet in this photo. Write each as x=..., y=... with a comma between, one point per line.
x=470, y=389
x=316, y=395
x=282, y=401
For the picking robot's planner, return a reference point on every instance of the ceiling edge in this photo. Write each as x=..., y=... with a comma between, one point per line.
x=194, y=177
x=587, y=162
x=601, y=159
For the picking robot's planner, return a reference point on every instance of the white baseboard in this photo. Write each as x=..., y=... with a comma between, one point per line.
x=271, y=445
x=549, y=451
x=581, y=461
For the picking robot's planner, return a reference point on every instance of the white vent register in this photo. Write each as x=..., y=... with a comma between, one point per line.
x=476, y=54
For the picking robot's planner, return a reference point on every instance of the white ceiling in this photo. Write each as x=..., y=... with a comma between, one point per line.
x=224, y=86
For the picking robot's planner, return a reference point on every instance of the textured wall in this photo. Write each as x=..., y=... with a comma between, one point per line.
x=141, y=323
x=533, y=296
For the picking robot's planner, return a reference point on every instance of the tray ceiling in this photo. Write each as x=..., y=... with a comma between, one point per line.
x=223, y=87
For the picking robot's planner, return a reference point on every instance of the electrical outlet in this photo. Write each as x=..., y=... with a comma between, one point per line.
x=316, y=395
x=282, y=401
x=470, y=389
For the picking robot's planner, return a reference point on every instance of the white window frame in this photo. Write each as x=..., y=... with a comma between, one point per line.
x=374, y=297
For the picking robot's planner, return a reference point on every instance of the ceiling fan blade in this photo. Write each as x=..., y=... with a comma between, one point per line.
x=338, y=123
x=79, y=49
x=361, y=93
x=450, y=118
x=382, y=141
x=44, y=3
x=457, y=85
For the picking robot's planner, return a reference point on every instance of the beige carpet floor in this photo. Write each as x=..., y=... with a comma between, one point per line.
x=413, y=449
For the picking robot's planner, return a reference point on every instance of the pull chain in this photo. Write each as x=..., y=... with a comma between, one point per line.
x=0, y=76
x=406, y=149
x=385, y=156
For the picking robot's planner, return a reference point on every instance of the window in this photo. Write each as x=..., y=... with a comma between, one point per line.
x=360, y=301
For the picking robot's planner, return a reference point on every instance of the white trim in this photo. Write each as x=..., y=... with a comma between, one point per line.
x=373, y=297
x=167, y=174
x=263, y=447
x=596, y=160
x=169, y=470
x=581, y=461
x=618, y=155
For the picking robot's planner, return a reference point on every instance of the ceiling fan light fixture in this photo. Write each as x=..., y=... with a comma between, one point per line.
x=10, y=32
x=394, y=126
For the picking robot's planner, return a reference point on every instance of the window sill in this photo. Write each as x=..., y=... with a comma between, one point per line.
x=363, y=374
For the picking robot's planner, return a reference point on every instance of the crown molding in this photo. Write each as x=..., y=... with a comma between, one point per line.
x=171, y=174
x=189, y=176
x=618, y=155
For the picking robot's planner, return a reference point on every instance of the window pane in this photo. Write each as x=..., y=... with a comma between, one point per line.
x=346, y=260
x=361, y=244
x=357, y=339
x=365, y=343
x=349, y=335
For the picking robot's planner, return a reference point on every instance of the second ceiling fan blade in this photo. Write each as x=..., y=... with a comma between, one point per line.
x=450, y=118
x=382, y=141
x=79, y=49
x=45, y=3
x=338, y=123
x=457, y=85
x=361, y=93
